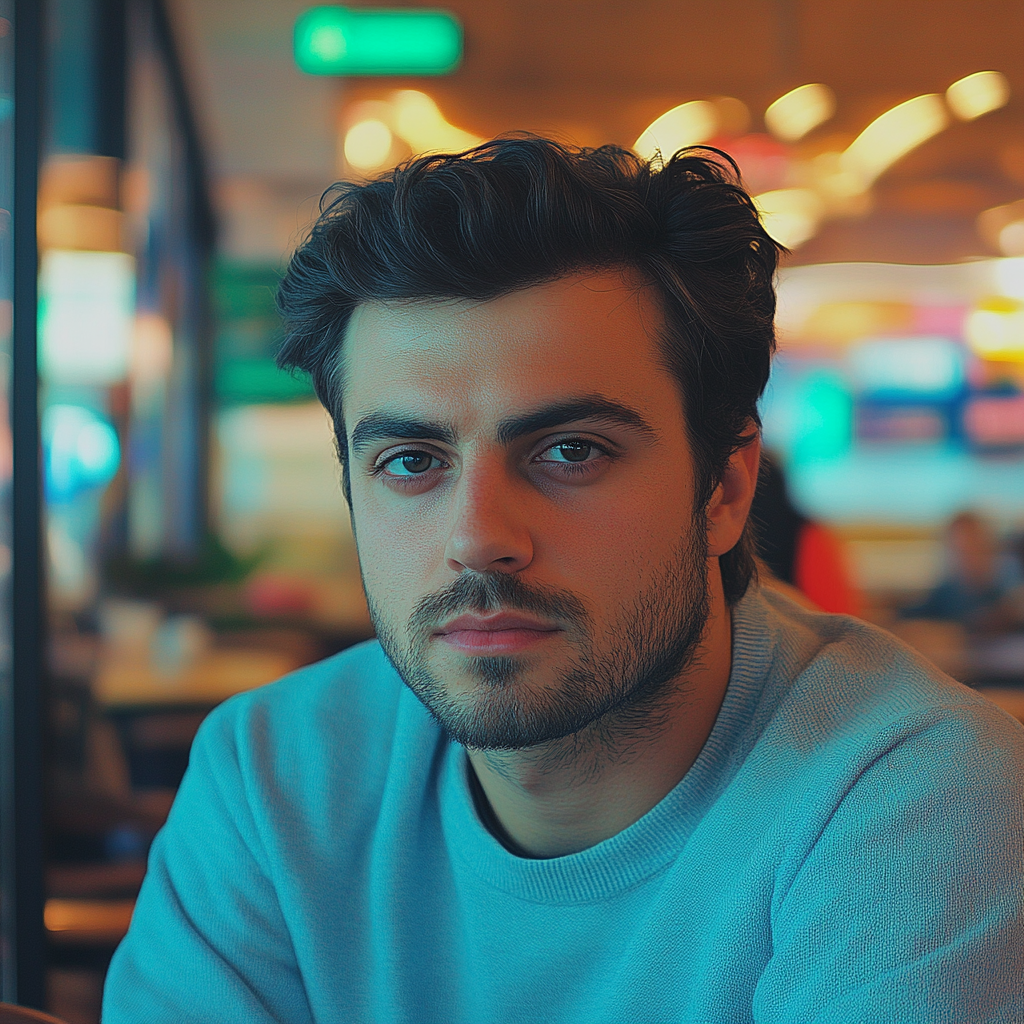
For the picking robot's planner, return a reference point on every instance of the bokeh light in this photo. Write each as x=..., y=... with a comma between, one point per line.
x=790, y=215
x=800, y=111
x=894, y=134
x=81, y=451
x=688, y=124
x=367, y=144
x=978, y=94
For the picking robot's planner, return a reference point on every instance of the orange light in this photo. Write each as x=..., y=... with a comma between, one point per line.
x=689, y=124
x=894, y=134
x=367, y=144
x=790, y=215
x=978, y=94
x=800, y=111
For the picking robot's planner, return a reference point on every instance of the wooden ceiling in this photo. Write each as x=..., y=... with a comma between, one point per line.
x=594, y=71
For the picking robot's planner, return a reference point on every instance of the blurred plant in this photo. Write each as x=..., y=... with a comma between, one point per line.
x=212, y=565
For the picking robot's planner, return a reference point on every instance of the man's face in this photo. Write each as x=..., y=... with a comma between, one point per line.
x=523, y=496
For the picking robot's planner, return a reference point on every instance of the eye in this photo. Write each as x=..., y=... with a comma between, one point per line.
x=409, y=464
x=575, y=459
x=575, y=450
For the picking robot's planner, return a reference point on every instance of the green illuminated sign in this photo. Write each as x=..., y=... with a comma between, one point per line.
x=403, y=41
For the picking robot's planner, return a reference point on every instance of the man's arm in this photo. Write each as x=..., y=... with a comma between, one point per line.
x=910, y=906
x=208, y=941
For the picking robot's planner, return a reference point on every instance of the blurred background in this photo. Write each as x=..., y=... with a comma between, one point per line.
x=194, y=541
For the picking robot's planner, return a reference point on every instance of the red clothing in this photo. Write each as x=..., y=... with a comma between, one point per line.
x=821, y=572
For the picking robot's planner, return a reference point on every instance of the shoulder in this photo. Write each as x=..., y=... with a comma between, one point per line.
x=837, y=682
x=345, y=708
x=872, y=756
x=358, y=681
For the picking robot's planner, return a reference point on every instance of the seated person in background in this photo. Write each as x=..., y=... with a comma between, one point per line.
x=983, y=588
x=591, y=773
x=798, y=551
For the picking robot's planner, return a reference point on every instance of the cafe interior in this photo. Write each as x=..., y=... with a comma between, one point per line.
x=181, y=534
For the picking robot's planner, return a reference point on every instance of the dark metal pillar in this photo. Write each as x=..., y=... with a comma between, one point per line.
x=26, y=931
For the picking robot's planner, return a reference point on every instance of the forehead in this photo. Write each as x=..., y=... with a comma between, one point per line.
x=590, y=333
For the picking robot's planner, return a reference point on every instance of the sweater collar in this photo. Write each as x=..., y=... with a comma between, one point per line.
x=655, y=840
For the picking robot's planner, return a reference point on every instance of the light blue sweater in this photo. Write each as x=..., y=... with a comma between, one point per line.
x=848, y=847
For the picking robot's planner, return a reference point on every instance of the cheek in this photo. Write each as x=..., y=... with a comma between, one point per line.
x=609, y=555
x=398, y=558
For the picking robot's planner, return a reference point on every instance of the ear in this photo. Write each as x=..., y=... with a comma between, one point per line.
x=730, y=504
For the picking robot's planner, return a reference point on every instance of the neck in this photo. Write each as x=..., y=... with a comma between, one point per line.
x=565, y=796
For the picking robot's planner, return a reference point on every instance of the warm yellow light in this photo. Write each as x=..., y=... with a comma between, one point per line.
x=978, y=94
x=839, y=323
x=733, y=115
x=844, y=191
x=1003, y=228
x=420, y=122
x=995, y=330
x=894, y=134
x=689, y=124
x=792, y=116
x=1011, y=238
x=367, y=144
x=790, y=215
x=77, y=226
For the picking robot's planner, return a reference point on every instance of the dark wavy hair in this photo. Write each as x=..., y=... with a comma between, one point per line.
x=524, y=210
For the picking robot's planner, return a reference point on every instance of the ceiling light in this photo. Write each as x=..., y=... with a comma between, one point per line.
x=894, y=134
x=418, y=120
x=689, y=124
x=733, y=115
x=1003, y=228
x=367, y=144
x=978, y=94
x=790, y=215
x=792, y=116
x=1011, y=238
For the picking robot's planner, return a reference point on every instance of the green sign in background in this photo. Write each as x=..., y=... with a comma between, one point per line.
x=249, y=332
x=405, y=41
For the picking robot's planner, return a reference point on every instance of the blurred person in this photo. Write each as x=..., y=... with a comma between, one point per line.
x=798, y=551
x=983, y=586
x=590, y=771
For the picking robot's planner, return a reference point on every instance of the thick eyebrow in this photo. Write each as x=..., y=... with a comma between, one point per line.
x=384, y=427
x=587, y=407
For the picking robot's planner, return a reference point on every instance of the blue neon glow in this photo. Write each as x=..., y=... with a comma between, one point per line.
x=80, y=451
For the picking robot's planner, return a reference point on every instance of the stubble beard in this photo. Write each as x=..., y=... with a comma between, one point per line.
x=607, y=697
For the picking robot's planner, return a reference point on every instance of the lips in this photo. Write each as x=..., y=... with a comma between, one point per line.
x=503, y=632
x=498, y=622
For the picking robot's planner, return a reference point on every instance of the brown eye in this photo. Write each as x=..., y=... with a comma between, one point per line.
x=571, y=451
x=418, y=462
x=407, y=464
x=575, y=458
x=575, y=451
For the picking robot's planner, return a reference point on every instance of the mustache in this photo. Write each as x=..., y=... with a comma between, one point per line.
x=492, y=592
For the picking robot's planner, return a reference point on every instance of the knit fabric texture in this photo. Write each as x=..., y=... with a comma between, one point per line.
x=848, y=847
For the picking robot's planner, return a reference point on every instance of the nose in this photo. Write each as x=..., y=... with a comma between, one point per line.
x=489, y=530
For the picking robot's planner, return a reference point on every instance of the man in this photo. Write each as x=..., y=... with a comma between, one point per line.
x=590, y=773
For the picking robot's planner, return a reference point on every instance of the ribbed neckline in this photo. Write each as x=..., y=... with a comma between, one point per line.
x=648, y=845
